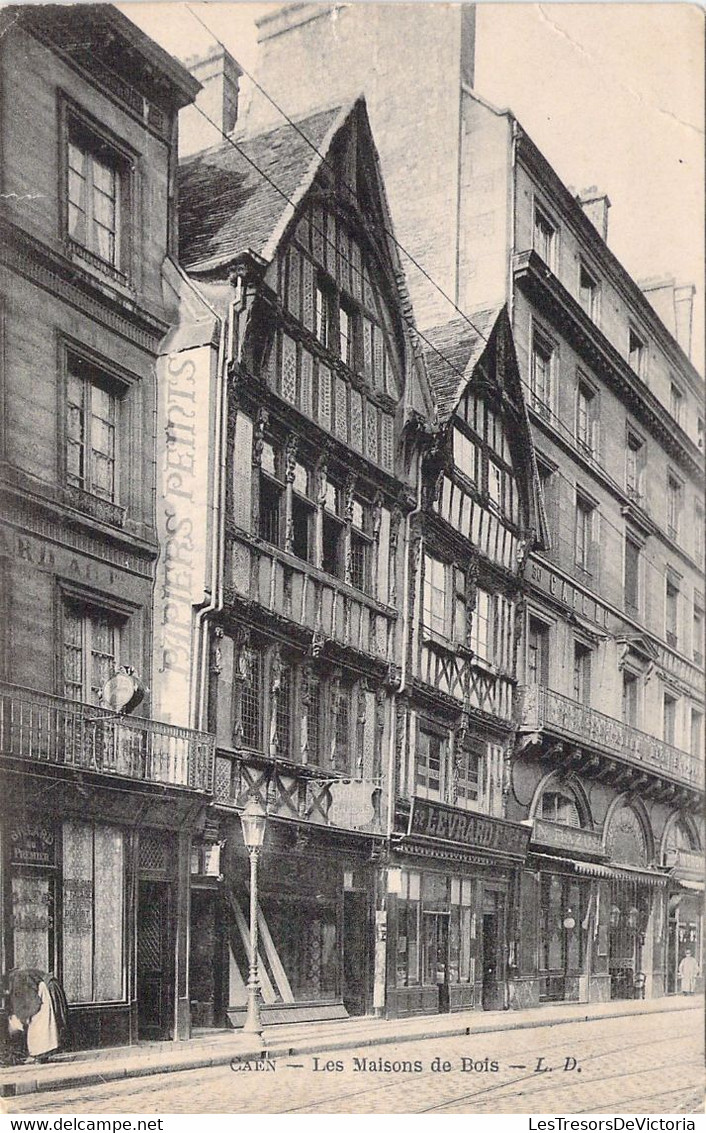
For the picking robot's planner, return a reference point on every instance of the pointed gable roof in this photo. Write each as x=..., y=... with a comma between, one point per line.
x=452, y=353
x=227, y=205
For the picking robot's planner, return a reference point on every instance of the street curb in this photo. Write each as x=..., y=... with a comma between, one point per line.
x=509, y=1022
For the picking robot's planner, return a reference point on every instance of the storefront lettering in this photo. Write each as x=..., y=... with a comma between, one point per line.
x=570, y=595
x=32, y=845
x=42, y=556
x=435, y=820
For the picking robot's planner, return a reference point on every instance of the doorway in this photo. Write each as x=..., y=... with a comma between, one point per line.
x=154, y=961
x=355, y=951
x=436, y=956
x=206, y=959
x=493, y=927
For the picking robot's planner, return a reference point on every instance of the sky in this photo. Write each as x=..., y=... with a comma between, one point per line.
x=612, y=93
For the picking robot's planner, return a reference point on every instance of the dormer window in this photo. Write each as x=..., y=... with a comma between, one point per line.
x=637, y=352
x=588, y=292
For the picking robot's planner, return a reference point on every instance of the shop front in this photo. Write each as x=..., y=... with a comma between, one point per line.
x=315, y=922
x=450, y=889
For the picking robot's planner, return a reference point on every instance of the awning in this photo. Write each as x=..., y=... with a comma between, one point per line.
x=618, y=873
x=698, y=886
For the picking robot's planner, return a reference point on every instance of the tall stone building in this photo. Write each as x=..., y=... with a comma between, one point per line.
x=99, y=807
x=608, y=761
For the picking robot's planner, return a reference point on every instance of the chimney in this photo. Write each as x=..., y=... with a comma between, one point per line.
x=595, y=205
x=684, y=306
x=219, y=75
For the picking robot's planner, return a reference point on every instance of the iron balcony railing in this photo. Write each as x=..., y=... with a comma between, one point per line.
x=51, y=730
x=542, y=708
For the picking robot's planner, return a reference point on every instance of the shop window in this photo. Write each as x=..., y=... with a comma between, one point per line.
x=93, y=401
x=462, y=931
x=92, y=913
x=97, y=196
x=582, y=673
x=408, y=913
x=560, y=806
x=430, y=769
x=91, y=650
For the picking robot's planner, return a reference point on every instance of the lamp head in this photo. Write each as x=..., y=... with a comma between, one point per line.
x=253, y=820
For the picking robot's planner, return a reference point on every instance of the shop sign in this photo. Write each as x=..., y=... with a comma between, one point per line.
x=435, y=820
x=32, y=844
x=568, y=594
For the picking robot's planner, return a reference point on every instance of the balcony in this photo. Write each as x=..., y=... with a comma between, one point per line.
x=546, y=710
x=303, y=794
x=49, y=730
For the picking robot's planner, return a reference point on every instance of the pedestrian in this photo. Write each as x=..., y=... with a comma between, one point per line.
x=38, y=1007
x=688, y=971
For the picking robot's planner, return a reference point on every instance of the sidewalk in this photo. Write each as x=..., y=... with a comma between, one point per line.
x=91, y=1067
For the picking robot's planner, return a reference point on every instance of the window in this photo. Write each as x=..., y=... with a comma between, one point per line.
x=671, y=611
x=696, y=738
x=322, y=312
x=348, y=335
x=676, y=401
x=302, y=515
x=632, y=574
x=634, y=465
x=586, y=416
x=546, y=478
x=588, y=292
x=92, y=429
x=582, y=673
x=560, y=806
x=636, y=352
x=333, y=531
x=538, y=653
x=97, y=196
x=93, y=912
x=699, y=548
x=700, y=433
x=541, y=372
x=430, y=768
x=271, y=496
x=408, y=911
x=630, y=699
x=91, y=650
x=434, y=606
x=361, y=545
x=283, y=712
x=468, y=779
x=313, y=723
x=544, y=237
x=342, y=739
x=669, y=719
x=698, y=630
x=481, y=626
x=250, y=702
x=673, y=505
x=583, y=534
x=466, y=455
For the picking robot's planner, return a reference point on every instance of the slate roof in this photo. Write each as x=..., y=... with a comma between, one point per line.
x=461, y=347
x=227, y=207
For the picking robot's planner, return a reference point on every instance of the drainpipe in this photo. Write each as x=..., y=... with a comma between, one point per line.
x=514, y=131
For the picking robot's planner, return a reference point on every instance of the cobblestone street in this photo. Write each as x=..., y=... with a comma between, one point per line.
x=626, y=1065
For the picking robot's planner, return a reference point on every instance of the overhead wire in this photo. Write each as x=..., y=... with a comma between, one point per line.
x=662, y=575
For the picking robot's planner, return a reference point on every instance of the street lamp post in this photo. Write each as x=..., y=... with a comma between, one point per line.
x=253, y=821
